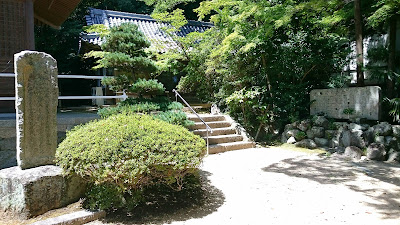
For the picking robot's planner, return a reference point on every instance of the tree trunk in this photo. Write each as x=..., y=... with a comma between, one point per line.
x=359, y=42
x=392, y=57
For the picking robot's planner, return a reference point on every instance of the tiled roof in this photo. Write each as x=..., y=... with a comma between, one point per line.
x=149, y=26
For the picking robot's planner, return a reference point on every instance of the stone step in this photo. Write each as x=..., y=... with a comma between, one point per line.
x=206, y=117
x=216, y=132
x=224, y=139
x=218, y=148
x=216, y=124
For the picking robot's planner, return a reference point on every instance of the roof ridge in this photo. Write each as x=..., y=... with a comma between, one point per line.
x=141, y=16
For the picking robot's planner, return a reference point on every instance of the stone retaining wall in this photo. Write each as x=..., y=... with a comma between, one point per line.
x=379, y=141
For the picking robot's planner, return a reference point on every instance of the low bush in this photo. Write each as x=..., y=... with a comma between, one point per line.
x=122, y=155
x=174, y=117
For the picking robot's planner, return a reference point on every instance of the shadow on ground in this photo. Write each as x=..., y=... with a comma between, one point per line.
x=386, y=199
x=194, y=202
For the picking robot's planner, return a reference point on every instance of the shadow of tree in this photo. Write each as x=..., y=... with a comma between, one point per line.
x=195, y=201
x=383, y=179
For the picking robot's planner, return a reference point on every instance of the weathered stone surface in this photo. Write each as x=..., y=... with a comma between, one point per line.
x=321, y=121
x=31, y=192
x=291, y=126
x=365, y=101
x=304, y=125
x=333, y=143
x=369, y=136
x=318, y=132
x=396, y=130
x=342, y=125
x=331, y=134
x=391, y=142
x=383, y=129
x=306, y=143
x=355, y=126
x=291, y=140
x=352, y=138
x=36, y=108
x=321, y=142
x=353, y=152
x=394, y=156
x=292, y=133
x=376, y=151
x=379, y=139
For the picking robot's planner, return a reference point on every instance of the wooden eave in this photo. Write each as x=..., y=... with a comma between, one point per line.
x=53, y=12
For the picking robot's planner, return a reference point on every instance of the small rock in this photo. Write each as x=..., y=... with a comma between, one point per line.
x=354, y=126
x=321, y=142
x=291, y=140
x=306, y=143
x=353, y=152
x=376, y=151
x=333, y=143
x=291, y=126
x=339, y=125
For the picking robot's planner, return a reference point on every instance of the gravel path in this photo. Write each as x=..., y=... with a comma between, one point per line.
x=280, y=186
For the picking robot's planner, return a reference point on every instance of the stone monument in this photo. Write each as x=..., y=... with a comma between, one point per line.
x=36, y=186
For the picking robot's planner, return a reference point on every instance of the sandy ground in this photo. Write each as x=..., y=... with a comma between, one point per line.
x=281, y=186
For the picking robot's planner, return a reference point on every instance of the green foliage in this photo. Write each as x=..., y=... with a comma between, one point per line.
x=141, y=105
x=395, y=108
x=348, y=111
x=147, y=87
x=301, y=135
x=124, y=49
x=174, y=117
x=124, y=154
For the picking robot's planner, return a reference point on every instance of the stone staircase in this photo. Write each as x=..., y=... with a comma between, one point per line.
x=225, y=135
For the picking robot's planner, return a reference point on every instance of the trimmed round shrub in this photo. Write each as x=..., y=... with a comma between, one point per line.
x=123, y=154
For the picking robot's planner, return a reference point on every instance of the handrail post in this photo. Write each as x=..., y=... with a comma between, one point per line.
x=208, y=128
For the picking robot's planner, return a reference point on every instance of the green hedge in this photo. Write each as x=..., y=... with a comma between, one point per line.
x=125, y=153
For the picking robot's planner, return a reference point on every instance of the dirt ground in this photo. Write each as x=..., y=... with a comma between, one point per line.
x=283, y=186
x=279, y=185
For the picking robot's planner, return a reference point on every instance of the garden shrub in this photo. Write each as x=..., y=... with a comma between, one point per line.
x=174, y=117
x=122, y=155
x=147, y=87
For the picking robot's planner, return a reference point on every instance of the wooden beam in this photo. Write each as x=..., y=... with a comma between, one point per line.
x=29, y=24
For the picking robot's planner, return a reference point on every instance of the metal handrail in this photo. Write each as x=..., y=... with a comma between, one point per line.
x=208, y=128
x=123, y=97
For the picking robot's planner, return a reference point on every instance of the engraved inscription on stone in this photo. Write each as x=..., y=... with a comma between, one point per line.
x=346, y=103
x=36, y=108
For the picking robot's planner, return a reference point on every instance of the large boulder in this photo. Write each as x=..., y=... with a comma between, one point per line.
x=383, y=129
x=321, y=142
x=316, y=132
x=306, y=143
x=353, y=152
x=355, y=126
x=292, y=133
x=321, y=121
x=352, y=138
x=376, y=151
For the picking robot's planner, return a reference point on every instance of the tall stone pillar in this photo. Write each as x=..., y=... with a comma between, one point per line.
x=36, y=108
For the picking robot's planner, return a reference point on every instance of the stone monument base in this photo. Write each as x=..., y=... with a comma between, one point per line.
x=32, y=192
